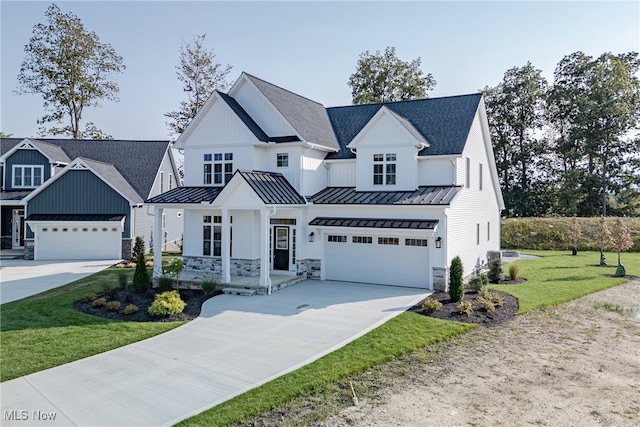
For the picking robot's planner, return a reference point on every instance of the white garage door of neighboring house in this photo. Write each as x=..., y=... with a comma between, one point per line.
x=78, y=241
x=398, y=261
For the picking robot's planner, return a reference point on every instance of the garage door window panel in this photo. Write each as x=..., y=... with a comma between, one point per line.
x=388, y=241
x=362, y=239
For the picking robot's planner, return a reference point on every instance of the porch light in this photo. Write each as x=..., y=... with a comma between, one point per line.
x=439, y=242
x=311, y=236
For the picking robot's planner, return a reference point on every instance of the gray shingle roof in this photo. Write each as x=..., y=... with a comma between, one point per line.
x=245, y=117
x=187, y=195
x=52, y=151
x=110, y=174
x=75, y=217
x=309, y=118
x=272, y=188
x=14, y=195
x=424, y=195
x=412, y=224
x=443, y=122
x=137, y=161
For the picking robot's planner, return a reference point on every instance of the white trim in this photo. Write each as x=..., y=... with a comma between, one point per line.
x=23, y=166
x=384, y=110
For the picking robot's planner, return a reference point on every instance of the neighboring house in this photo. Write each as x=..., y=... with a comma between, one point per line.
x=381, y=193
x=84, y=199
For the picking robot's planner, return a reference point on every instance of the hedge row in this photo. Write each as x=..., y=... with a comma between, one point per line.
x=553, y=233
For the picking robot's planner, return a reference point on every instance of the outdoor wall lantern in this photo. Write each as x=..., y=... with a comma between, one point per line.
x=311, y=236
x=439, y=242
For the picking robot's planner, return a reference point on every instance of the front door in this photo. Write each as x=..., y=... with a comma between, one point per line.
x=281, y=248
x=18, y=229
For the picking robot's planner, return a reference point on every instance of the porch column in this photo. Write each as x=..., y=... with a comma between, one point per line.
x=157, y=242
x=226, y=243
x=265, y=280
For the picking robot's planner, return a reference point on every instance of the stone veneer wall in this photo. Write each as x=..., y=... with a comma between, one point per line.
x=7, y=242
x=29, y=249
x=209, y=265
x=127, y=249
x=245, y=267
x=309, y=268
x=440, y=279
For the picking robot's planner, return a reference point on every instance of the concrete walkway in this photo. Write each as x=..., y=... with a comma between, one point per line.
x=237, y=344
x=20, y=278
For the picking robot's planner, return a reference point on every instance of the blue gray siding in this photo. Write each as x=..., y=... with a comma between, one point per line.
x=25, y=157
x=80, y=192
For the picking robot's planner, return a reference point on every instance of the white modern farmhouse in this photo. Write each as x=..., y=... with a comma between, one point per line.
x=276, y=184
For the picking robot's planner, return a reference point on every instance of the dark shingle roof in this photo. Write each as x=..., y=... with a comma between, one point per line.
x=110, y=174
x=443, y=122
x=187, y=195
x=14, y=195
x=309, y=118
x=137, y=161
x=245, y=117
x=75, y=217
x=424, y=195
x=272, y=188
x=413, y=224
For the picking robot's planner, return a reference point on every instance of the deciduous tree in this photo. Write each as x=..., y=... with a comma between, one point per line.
x=383, y=77
x=620, y=241
x=70, y=68
x=200, y=75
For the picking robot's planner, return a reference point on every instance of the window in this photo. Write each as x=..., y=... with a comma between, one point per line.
x=206, y=235
x=161, y=182
x=415, y=242
x=212, y=235
x=468, y=175
x=480, y=177
x=219, y=170
x=336, y=239
x=488, y=231
x=27, y=176
x=384, y=169
x=362, y=239
x=477, y=234
x=164, y=221
x=388, y=241
x=282, y=160
x=170, y=181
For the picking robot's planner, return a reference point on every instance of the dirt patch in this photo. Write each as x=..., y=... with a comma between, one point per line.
x=480, y=315
x=193, y=298
x=575, y=364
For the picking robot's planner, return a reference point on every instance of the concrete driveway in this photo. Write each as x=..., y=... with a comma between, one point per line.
x=20, y=278
x=237, y=344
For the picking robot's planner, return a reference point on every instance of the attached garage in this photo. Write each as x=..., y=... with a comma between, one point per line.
x=77, y=236
x=382, y=251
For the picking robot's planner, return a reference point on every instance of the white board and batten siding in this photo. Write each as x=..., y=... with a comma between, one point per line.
x=475, y=212
x=342, y=173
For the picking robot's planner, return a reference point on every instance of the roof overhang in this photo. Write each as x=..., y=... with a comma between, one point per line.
x=377, y=223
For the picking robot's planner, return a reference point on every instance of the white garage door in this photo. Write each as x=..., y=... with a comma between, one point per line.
x=398, y=261
x=78, y=241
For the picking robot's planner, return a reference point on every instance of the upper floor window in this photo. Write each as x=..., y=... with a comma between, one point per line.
x=282, y=160
x=384, y=169
x=218, y=168
x=468, y=173
x=480, y=177
x=27, y=176
x=161, y=182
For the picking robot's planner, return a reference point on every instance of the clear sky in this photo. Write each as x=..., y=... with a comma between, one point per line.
x=310, y=48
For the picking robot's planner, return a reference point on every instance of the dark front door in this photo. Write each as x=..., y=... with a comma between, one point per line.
x=281, y=248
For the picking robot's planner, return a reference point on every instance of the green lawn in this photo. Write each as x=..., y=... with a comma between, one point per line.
x=45, y=330
x=560, y=277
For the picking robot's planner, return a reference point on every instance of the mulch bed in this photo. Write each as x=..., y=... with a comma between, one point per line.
x=193, y=298
x=449, y=311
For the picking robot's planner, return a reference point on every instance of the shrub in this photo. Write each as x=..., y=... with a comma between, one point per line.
x=476, y=283
x=495, y=271
x=496, y=299
x=141, y=279
x=123, y=279
x=167, y=304
x=514, y=271
x=485, y=279
x=487, y=304
x=484, y=292
x=456, y=285
x=464, y=307
x=431, y=305
x=132, y=265
x=138, y=248
x=119, y=265
x=149, y=263
x=165, y=283
x=90, y=297
x=209, y=286
x=113, y=305
x=130, y=309
x=100, y=302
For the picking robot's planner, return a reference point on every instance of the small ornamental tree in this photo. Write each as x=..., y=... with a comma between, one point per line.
x=141, y=275
x=456, y=285
x=575, y=233
x=138, y=248
x=603, y=237
x=620, y=240
x=495, y=271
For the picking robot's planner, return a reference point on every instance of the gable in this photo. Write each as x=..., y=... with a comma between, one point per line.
x=238, y=194
x=22, y=157
x=387, y=129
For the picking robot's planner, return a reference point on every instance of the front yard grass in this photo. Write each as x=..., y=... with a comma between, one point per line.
x=45, y=330
x=559, y=277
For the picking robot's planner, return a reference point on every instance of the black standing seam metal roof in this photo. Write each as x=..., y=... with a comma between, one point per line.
x=75, y=217
x=187, y=195
x=137, y=161
x=411, y=224
x=272, y=188
x=424, y=195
